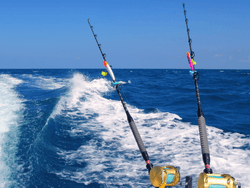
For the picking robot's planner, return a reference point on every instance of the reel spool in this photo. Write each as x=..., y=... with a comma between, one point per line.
x=216, y=181
x=164, y=176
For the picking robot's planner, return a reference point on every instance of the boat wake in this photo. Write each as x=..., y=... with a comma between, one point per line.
x=83, y=139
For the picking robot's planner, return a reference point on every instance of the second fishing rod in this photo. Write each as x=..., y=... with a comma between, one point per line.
x=206, y=178
x=200, y=115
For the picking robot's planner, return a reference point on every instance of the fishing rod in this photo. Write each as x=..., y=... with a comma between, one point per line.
x=159, y=176
x=206, y=178
x=129, y=117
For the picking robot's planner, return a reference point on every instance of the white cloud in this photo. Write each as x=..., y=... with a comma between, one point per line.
x=217, y=55
x=246, y=59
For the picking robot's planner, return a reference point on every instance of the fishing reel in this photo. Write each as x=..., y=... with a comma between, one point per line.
x=164, y=176
x=168, y=176
x=217, y=181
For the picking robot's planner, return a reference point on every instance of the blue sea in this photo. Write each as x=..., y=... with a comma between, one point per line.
x=67, y=128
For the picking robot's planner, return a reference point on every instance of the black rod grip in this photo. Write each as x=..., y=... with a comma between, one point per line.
x=203, y=135
x=133, y=127
x=136, y=133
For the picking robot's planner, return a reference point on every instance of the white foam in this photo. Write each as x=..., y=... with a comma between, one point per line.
x=122, y=82
x=112, y=155
x=10, y=108
x=45, y=82
x=82, y=91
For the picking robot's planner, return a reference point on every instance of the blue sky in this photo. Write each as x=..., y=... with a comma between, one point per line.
x=133, y=33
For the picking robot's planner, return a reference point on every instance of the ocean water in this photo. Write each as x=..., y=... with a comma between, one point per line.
x=67, y=128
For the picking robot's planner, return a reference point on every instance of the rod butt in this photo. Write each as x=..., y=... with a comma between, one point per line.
x=188, y=182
